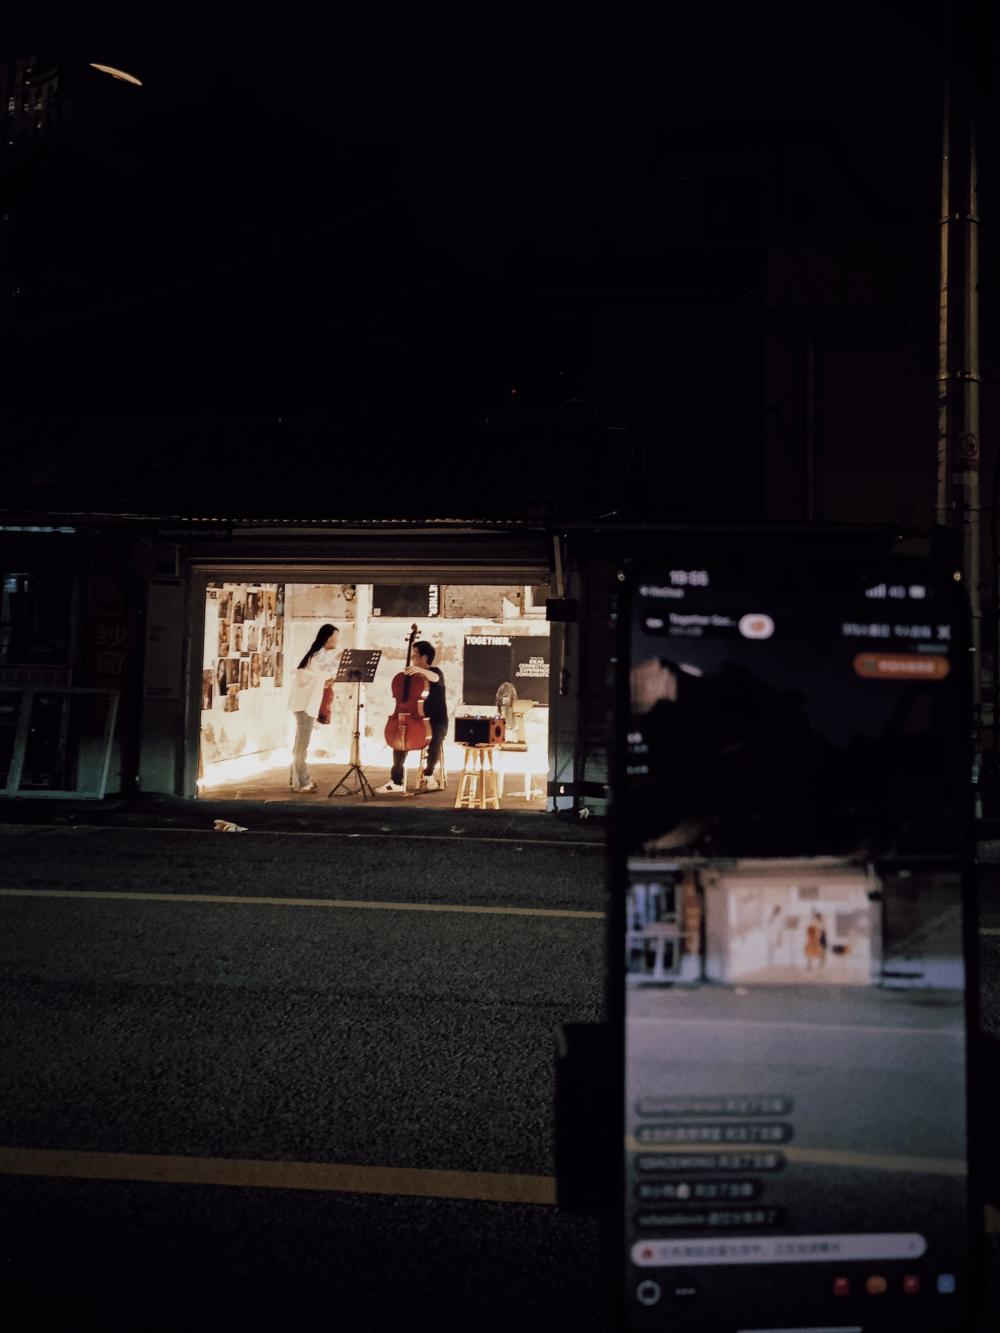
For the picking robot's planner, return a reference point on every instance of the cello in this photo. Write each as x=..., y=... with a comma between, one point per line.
x=407, y=728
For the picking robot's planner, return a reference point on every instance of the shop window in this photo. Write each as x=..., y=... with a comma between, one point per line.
x=35, y=616
x=535, y=597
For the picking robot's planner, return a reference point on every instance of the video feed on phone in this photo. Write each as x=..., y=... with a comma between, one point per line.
x=795, y=1077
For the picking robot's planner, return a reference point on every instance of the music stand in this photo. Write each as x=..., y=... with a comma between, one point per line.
x=357, y=666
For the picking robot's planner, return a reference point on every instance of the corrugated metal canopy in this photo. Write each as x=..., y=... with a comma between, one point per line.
x=378, y=551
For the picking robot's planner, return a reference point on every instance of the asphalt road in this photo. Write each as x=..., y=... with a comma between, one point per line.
x=245, y=1050
x=290, y=1033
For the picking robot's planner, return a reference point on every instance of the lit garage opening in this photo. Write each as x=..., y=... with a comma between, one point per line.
x=491, y=644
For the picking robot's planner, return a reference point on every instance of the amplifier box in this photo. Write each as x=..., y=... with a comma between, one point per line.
x=480, y=730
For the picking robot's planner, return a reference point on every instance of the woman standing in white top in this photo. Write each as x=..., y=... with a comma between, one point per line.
x=304, y=699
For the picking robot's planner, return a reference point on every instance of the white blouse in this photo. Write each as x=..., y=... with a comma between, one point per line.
x=306, y=690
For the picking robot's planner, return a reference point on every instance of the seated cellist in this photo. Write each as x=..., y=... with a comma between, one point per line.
x=436, y=712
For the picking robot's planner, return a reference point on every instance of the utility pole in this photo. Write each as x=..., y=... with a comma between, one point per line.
x=958, y=380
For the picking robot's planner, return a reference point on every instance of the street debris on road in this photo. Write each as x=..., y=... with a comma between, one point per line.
x=227, y=826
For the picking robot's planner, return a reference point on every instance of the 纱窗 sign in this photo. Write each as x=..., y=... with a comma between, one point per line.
x=491, y=659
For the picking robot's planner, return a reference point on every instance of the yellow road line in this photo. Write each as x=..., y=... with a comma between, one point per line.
x=493, y=1187
x=857, y=1161
x=324, y=902
x=328, y=1177
x=260, y=901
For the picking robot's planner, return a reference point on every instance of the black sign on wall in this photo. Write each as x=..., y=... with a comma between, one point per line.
x=491, y=659
x=531, y=667
x=406, y=599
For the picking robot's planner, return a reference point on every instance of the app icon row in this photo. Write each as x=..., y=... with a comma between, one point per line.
x=876, y=1284
x=650, y=1292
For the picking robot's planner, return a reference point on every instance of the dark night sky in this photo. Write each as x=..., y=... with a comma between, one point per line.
x=519, y=128
x=336, y=212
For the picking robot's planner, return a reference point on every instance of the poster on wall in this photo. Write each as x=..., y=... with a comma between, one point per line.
x=486, y=663
x=531, y=667
x=243, y=642
x=406, y=599
x=491, y=659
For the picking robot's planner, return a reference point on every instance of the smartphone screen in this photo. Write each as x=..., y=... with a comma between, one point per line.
x=792, y=821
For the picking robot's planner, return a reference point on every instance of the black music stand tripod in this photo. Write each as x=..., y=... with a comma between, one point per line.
x=357, y=666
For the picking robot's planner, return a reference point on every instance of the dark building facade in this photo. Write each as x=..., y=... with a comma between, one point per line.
x=743, y=330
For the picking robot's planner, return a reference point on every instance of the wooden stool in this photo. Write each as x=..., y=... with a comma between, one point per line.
x=418, y=772
x=442, y=767
x=478, y=785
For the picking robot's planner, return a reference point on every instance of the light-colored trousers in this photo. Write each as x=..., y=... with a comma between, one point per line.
x=298, y=774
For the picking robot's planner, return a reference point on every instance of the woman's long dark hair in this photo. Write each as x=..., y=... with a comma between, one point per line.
x=322, y=634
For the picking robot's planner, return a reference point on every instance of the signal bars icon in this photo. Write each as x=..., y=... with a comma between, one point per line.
x=897, y=591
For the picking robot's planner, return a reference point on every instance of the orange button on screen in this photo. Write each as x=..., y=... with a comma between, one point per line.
x=901, y=666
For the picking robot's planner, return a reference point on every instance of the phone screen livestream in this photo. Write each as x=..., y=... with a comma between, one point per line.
x=795, y=1013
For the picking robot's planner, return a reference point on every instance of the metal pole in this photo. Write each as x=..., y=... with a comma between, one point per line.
x=958, y=453
x=809, y=416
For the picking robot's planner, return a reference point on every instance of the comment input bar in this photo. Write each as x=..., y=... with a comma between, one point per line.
x=778, y=1249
